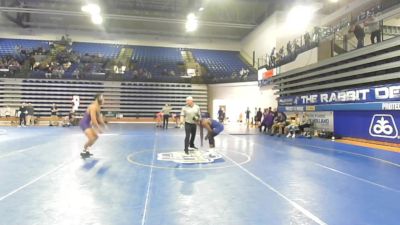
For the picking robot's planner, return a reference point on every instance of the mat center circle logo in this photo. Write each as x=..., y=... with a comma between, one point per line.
x=193, y=157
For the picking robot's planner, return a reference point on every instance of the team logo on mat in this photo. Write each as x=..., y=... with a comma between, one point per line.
x=193, y=157
x=383, y=125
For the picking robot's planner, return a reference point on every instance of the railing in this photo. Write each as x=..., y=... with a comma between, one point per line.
x=367, y=66
x=343, y=39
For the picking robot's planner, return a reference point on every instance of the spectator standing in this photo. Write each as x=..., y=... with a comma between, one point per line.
x=307, y=40
x=247, y=112
x=30, y=115
x=22, y=114
x=268, y=121
x=359, y=34
x=54, y=113
x=372, y=24
x=221, y=115
x=166, y=110
x=258, y=117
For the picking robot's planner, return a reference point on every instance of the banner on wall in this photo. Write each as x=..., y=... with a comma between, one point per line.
x=344, y=106
x=371, y=125
x=320, y=120
x=358, y=95
x=264, y=76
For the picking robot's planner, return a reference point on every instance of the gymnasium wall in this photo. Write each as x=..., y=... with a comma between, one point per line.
x=262, y=39
x=272, y=33
x=236, y=97
x=304, y=59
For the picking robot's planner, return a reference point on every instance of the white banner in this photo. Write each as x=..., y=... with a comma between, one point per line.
x=322, y=120
x=261, y=72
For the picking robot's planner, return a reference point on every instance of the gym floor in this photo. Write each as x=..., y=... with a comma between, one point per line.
x=260, y=180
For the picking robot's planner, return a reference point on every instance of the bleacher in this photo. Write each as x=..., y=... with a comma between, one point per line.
x=220, y=63
x=131, y=99
x=156, y=59
x=109, y=51
x=8, y=46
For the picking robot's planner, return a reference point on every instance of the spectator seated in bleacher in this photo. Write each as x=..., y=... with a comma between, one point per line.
x=244, y=73
x=57, y=71
x=279, y=124
x=6, y=112
x=69, y=120
x=293, y=126
x=119, y=68
x=9, y=65
x=58, y=59
x=76, y=74
x=305, y=122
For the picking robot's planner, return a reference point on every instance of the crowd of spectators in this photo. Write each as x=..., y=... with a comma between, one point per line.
x=57, y=60
x=272, y=122
x=9, y=65
x=288, y=53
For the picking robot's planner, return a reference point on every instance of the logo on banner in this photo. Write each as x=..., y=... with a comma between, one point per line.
x=384, y=126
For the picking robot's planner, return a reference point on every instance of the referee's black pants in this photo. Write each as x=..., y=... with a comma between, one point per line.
x=165, y=121
x=22, y=116
x=190, y=134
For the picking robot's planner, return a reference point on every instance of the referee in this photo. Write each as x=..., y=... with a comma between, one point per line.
x=190, y=114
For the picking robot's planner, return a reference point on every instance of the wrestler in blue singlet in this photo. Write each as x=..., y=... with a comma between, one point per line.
x=85, y=122
x=217, y=127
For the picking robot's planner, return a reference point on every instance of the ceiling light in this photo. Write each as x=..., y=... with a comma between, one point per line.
x=299, y=18
x=191, y=22
x=201, y=9
x=191, y=26
x=191, y=16
x=91, y=8
x=97, y=19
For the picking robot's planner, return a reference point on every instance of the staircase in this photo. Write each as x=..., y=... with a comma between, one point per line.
x=190, y=62
x=124, y=57
x=249, y=65
x=342, y=43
